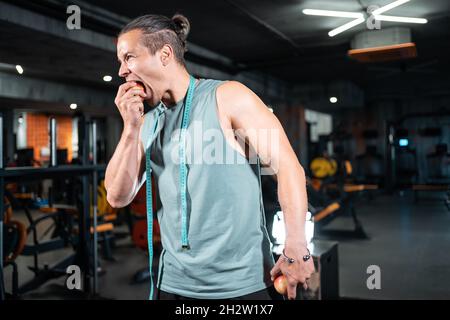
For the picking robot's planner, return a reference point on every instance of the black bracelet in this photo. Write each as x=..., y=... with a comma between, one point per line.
x=291, y=260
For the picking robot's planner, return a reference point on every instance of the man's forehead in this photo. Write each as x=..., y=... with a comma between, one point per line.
x=122, y=50
x=128, y=42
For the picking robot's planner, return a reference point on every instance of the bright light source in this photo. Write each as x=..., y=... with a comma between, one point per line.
x=333, y=99
x=401, y=19
x=19, y=69
x=346, y=26
x=360, y=18
x=389, y=6
x=403, y=142
x=279, y=232
x=309, y=228
x=331, y=13
x=73, y=106
x=107, y=78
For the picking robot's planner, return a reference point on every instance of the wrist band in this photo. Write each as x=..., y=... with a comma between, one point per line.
x=291, y=260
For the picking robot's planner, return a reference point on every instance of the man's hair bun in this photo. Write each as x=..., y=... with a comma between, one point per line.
x=182, y=27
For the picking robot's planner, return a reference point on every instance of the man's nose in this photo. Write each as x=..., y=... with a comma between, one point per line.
x=123, y=70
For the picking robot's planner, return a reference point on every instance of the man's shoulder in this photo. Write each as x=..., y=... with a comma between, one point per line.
x=234, y=93
x=233, y=89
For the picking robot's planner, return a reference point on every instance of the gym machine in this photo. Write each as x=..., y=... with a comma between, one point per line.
x=84, y=251
x=424, y=171
x=331, y=193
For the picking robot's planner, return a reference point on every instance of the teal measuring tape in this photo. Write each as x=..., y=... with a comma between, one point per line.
x=183, y=168
x=183, y=180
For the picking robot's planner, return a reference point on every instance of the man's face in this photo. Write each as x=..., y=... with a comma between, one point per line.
x=137, y=64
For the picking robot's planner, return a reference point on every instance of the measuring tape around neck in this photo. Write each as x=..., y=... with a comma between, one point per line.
x=183, y=180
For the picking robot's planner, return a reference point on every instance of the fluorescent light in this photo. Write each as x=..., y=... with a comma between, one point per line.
x=388, y=7
x=73, y=106
x=107, y=78
x=400, y=19
x=19, y=69
x=333, y=99
x=309, y=228
x=403, y=142
x=346, y=26
x=330, y=13
x=278, y=228
x=360, y=18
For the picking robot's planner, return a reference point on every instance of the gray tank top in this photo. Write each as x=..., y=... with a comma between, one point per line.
x=229, y=251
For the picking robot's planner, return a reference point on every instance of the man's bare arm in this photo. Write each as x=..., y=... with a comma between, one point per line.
x=123, y=176
x=249, y=115
x=126, y=167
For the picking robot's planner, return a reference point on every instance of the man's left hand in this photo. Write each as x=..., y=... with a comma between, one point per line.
x=296, y=273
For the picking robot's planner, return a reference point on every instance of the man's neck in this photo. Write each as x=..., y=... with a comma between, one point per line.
x=178, y=86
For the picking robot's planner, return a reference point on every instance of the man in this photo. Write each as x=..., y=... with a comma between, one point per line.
x=224, y=251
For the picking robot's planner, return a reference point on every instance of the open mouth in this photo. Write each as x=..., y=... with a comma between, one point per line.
x=140, y=84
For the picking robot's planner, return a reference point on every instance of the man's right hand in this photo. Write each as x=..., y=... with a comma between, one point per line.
x=130, y=104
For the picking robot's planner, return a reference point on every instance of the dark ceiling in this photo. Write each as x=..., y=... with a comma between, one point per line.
x=264, y=35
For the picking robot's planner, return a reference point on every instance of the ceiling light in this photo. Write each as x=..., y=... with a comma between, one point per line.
x=19, y=69
x=73, y=106
x=107, y=78
x=330, y=13
x=346, y=26
x=333, y=99
x=360, y=18
x=400, y=19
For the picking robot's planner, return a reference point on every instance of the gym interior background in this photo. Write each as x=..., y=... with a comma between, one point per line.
x=367, y=110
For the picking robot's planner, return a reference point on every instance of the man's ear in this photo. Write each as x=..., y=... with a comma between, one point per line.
x=166, y=54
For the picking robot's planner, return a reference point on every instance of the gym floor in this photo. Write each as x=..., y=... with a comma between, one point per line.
x=405, y=241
